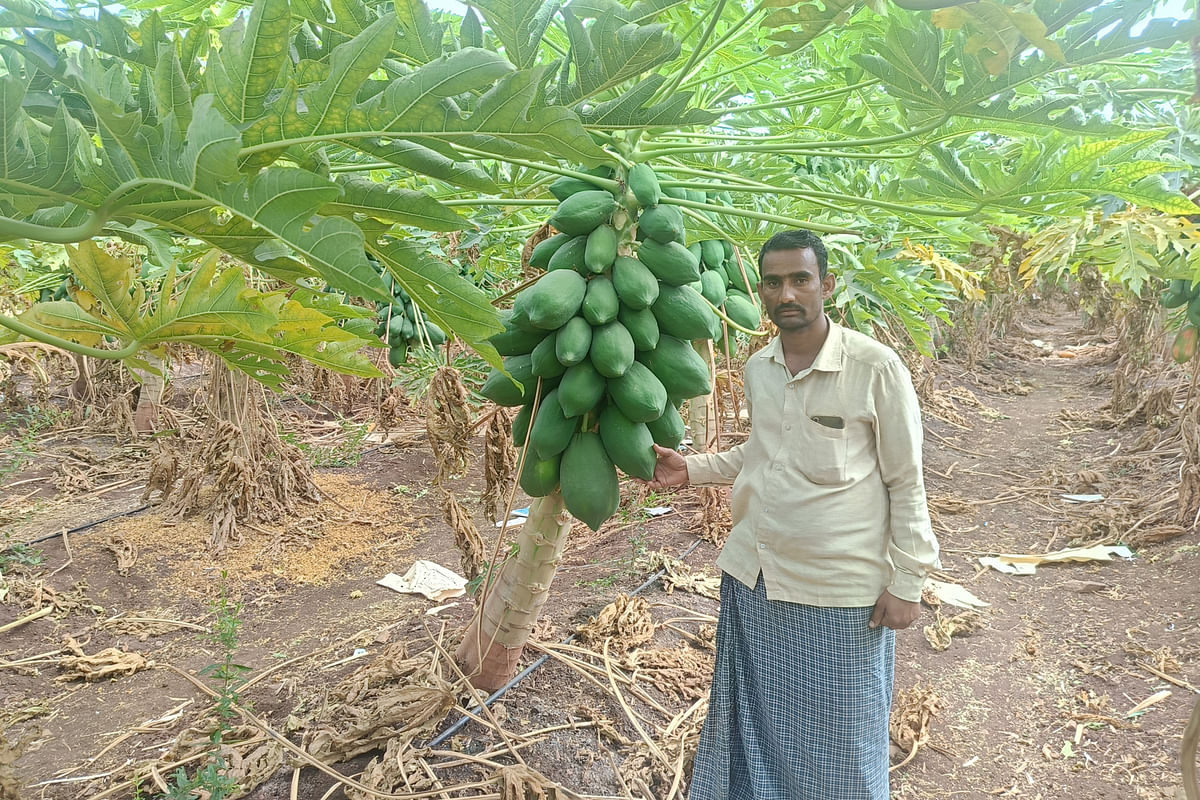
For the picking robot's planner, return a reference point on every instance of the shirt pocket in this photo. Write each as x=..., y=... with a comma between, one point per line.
x=822, y=455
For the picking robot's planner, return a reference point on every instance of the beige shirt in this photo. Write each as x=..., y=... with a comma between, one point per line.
x=830, y=516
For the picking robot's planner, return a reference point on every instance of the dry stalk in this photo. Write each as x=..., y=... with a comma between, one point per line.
x=448, y=424
x=499, y=463
x=945, y=628
x=912, y=716
x=626, y=621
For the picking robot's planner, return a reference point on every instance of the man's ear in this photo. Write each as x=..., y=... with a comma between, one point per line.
x=828, y=284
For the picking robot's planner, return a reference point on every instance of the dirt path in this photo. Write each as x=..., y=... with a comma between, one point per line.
x=1034, y=705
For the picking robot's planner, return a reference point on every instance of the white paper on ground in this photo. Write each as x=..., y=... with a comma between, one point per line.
x=428, y=578
x=658, y=511
x=954, y=594
x=1082, y=498
x=1026, y=563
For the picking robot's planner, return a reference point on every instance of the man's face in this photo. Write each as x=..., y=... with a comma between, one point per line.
x=792, y=290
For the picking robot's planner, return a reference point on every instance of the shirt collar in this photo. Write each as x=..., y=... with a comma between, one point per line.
x=829, y=357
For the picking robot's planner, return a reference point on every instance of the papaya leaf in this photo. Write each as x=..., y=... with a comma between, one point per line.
x=397, y=206
x=795, y=28
x=519, y=25
x=629, y=110
x=420, y=38
x=426, y=161
x=242, y=72
x=449, y=299
x=616, y=51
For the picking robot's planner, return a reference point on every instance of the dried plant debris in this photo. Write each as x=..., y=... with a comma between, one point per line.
x=946, y=628
x=400, y=769
x=626, y=621
x=499, y=463
x=466, y=535
x=111, y=662
x=715, y=517
x=34, y=595
x=682, y=671
x=251, y=758
x=10, y=782
x=448, y=423
x=394, y=696
x=521, y=782
x=126, y=553
x=912, y=717
x=680, y=576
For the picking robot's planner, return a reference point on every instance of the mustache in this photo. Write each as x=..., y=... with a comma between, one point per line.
x=788, y=308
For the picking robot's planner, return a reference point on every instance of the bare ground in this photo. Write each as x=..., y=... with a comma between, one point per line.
x=1034, y=704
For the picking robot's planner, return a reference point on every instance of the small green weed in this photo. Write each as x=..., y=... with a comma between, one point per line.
x=346, y=453
x=25, y=428
x=211, y=781
x=18, y=555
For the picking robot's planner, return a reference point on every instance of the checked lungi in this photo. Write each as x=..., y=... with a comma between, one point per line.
x=801, y=697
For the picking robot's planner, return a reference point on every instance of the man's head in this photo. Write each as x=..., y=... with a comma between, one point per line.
x=795, y=280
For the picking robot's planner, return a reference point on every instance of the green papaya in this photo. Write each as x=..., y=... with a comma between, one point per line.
x=520, y=424
x=544, y=360
x=499, y=388
x=712, y=283
x=601, y=248
x=739, y=309
x=552, y=429
x=539, y=477
x=644, y=184
x=684, y=313
x=612, y=350
x=629, y=444
x=642, y=327
x=554, y=299
x=1178, y=293
x=398, y=354
x=639, y=393
x=668, y=430
x=679, y=368
x=671, y=263
x=635, y=284
x=662, y=224
x=570, y=256
x=580, y=213
x=600, y=302
x=581, y=389
x=711, y=253
x=590, y=488
x=566, y=186
x=543, y=250
x=572, y=341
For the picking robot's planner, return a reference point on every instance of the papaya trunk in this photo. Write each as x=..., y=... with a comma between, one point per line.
x=705, y=422
x=497, y=634
x=150, y=396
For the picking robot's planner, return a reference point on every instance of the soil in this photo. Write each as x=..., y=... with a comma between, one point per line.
x=1037, y=703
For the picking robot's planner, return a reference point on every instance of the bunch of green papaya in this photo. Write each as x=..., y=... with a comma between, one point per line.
x=1182, y=292
x=402, y=324
x=601, y=344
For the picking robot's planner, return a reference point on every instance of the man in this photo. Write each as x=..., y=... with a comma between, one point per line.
x=830, y=546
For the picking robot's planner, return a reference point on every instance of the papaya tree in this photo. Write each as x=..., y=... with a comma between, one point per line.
x=316, y=143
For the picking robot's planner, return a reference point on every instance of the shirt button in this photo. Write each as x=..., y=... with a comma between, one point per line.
x=762, y=547
x=787, y=427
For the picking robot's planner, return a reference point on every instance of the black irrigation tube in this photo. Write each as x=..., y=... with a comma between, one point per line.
x=83, y=527
x=525, y=673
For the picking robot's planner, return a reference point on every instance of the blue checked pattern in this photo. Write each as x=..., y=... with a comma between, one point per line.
x=800, y=702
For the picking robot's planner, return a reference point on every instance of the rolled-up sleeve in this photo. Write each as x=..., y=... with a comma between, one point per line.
x=898, y=437
x=715, y=469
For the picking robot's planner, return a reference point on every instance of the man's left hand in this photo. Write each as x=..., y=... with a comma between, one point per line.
x=892, y=612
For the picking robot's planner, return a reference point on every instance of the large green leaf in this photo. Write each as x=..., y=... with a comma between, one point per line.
x=449, y=299
x=214, y=309
x=253, y=52
x=519, y=25
x=795, y=25
x=630, y=109
x=394, y=205
x=612, y=51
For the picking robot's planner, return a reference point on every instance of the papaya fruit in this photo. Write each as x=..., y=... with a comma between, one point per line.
x=644, y=184
x=739, y=309
x=639, y=393
x=612, y=350
x=566, y=186
x=500, y=389
x=600, y=302
x=629, y=444
x=711, y=253
x=539, y=477
x=662, y=224
x=552, y=430
x=671, y=263
x=601, y=248
x=520, y=424
x=678, y=367
x=572, y=341
x=642, y=327
x=682, y=312
x=581, y=388
x=545, y=363
x=635, y=284
x=590, y=488
x=668, y=430
x=570, y=256
x=543, y=250
x=580, y=213
x=554, y=299
x=712, y=286
x=1183, y=349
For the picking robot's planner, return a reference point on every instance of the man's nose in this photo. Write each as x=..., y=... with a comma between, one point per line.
x=787, y=292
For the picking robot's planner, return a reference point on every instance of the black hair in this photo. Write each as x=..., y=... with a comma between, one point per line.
x=797, y=240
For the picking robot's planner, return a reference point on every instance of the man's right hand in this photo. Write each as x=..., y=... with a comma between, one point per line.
x=671, y=469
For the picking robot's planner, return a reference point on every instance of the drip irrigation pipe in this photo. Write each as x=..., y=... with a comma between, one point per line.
x=525, y=673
